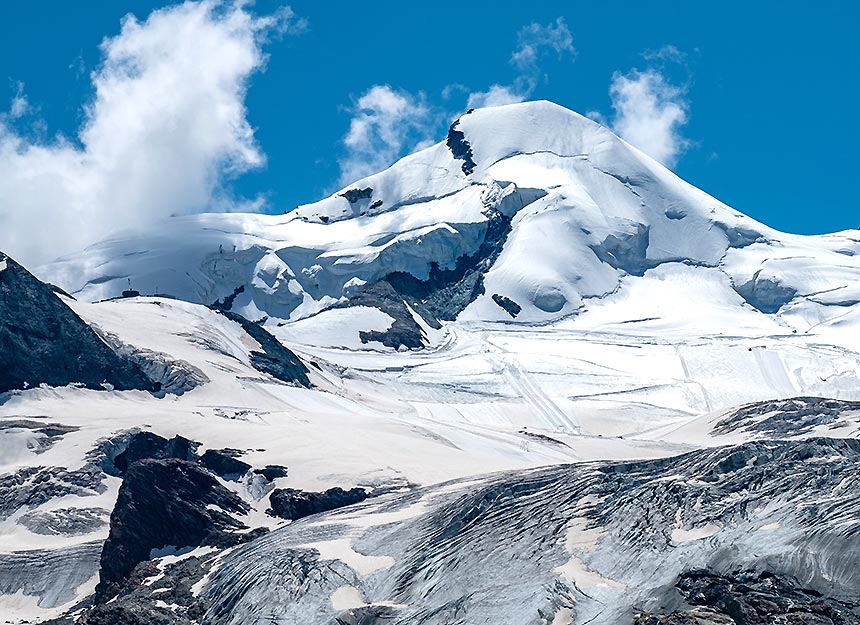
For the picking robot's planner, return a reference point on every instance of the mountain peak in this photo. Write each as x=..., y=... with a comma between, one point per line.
x=475, y=143
x=530, y=127
x=526, y=212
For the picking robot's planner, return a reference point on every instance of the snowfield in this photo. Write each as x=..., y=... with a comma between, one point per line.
x=576, y=303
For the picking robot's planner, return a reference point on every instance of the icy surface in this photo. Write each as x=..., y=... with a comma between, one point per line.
x=592, y=542
x=652, y=320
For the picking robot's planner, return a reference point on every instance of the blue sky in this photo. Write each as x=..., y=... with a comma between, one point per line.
x=756, y=101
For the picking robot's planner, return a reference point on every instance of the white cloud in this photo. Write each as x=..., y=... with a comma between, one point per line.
x=385, y=123
x=649, y=113
x=667, y=53
x=19, y=105
x=534, y=40
x=597, y=116
x=496, y=95
x=166, y=128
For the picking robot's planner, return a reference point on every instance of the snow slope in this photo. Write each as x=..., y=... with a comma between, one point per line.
x=576, y=302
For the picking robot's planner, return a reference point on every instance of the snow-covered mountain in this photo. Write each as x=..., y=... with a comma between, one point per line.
x=531, y=292
x=527, y=212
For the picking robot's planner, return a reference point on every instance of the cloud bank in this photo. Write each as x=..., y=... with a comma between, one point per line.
x=166, y=128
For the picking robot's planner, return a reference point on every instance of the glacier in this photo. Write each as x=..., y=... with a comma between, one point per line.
x=574, y=385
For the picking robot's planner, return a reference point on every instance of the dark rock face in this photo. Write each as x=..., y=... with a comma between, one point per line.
x=765, y=294
x=696, y=616
x=509, y=305
x=292, y=504
x=42, y=341
x=354, y=195
x=786, y=417
x=162, y=503
x=227, y=302
x=146, y=445
x=131, y=614
x=224, y=463
x=751, y=598
x=460, y=148
x=275, y=359
x=272, y=471
x=136, y=602
x=404, y=330
x=32, y=486
x=446, y=292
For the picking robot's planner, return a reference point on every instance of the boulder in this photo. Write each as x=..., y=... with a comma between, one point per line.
x=292, y=504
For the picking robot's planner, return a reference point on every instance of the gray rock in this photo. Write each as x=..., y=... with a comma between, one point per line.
x=460, y=148
x=765, y=294
x=292, y=504
x=446, y=292
x=783, y=418
x=404, y=330
x=225, y=463
x=354, y=195
x=275, y=359
x=752, y=598
x=162, y=503
x=65, y=521
x=42, y=341
x=226, y=303
x=147, y=446
x=33, y=486
x=509, y=305
x=272, y=471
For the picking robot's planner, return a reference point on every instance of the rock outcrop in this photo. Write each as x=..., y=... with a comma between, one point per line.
x=148, y=446
x=292, y=504
x=275, y=359
x=224, y=463
x=165, y=503
x=42, y=341
x=750, y=598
